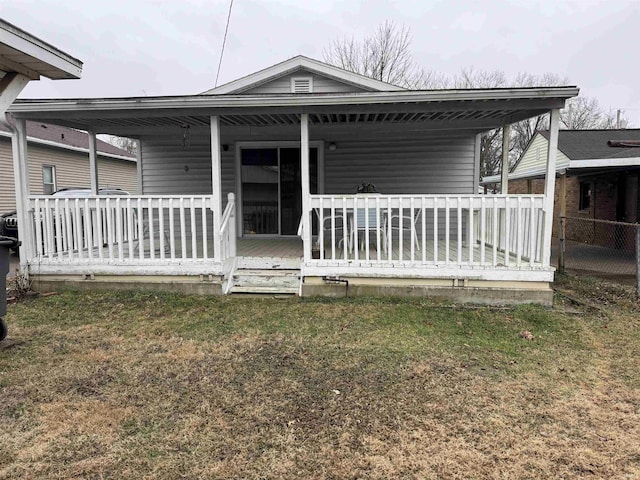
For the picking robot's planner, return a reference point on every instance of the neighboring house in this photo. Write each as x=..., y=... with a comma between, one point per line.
x=59, y=158
x=597, y=177
x=251, y=187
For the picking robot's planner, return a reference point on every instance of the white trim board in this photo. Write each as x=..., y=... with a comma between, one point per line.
x=319, y=144
x=573, y=164
x=556, y=95
x=605, y=162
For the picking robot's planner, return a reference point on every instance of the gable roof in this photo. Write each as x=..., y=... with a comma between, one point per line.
x=297, y=63
x=578, y=149
x=592, y=144
x=67, y=138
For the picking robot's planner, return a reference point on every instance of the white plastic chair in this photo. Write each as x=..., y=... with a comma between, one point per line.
x=375, y=224
x=326, y=229
x=407, y=221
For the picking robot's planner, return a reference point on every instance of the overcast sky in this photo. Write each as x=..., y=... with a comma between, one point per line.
x=140, y=47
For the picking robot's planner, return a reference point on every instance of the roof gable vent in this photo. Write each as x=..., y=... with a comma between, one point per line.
x=301, y=85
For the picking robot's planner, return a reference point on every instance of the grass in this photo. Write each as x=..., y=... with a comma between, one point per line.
x=131, y=385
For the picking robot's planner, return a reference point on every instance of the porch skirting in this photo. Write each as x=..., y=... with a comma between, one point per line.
x=489, y=292
x=458, y=291
x=187, y=284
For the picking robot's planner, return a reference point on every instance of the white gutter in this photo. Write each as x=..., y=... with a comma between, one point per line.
x=605, y=162
x=70, y=147
x=573, y=164
x=222, y=101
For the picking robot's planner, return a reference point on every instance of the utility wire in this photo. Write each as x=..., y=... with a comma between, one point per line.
x=224, y=41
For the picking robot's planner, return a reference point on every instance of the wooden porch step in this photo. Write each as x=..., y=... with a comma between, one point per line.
x=273, y=281
x=264, y=290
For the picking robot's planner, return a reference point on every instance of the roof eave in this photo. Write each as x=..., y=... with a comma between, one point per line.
x=55, y=63
x=200, y=101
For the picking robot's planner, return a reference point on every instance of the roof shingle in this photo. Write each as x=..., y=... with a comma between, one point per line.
x=68, y=137
x=590, y=144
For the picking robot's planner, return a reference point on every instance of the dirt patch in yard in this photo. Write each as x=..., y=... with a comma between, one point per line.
x=191, y=387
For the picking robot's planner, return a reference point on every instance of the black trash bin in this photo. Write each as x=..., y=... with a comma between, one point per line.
x=6, y=244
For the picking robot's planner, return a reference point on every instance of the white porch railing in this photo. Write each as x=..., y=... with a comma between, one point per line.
x=422, y=230
x=131, y=229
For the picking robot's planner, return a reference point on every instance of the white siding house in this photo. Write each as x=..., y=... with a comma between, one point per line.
x=304, y=178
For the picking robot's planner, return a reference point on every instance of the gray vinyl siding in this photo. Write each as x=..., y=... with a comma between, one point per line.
x=418, y=163
x=401, y=162
x=321, y=84
x=72, y=170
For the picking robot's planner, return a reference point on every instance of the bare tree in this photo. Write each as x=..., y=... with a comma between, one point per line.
x=127, y=144
x=385, y=55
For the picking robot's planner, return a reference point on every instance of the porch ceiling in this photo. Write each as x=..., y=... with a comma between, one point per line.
x=478, y=110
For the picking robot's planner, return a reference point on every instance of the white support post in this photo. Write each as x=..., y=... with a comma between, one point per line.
x=216, y=187
x=21, y=179
x=307, y=234
x=93, y=164
x=504, y=182
x=10, y=87
x=549, y=186
x=139, y=165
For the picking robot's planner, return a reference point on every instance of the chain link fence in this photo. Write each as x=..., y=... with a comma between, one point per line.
x=600, y=248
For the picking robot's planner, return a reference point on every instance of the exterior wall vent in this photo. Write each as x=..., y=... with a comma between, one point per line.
x=301, y=84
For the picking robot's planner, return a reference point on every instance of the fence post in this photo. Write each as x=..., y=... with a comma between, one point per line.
x=638, y=260
x=561, y=250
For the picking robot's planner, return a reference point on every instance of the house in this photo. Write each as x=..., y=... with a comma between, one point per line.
x=253, y=187
x=59, y=158
x=597, y=176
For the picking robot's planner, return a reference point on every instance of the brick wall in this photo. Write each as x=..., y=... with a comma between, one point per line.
x=604, y=197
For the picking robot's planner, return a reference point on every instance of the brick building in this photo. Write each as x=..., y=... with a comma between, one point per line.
x=597, y=177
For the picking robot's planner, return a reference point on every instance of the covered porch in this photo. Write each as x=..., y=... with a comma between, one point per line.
x=428, y=222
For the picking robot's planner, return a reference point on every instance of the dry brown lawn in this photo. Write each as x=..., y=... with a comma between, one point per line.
x=125, y=385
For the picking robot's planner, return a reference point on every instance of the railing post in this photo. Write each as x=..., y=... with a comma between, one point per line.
x=231, y=199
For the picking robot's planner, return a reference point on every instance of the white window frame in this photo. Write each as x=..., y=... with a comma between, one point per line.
x=53, y=176
x=308, y=79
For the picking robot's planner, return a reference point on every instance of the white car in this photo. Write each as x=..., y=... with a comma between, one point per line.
x=73, y=192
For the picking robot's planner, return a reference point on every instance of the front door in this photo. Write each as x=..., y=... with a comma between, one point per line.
x=271, y=189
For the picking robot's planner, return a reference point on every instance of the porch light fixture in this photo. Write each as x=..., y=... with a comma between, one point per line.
x=332, y=146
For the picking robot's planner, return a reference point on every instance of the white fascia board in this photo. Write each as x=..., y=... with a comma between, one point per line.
x=293, y=64
x=516, y=176
x=47, y=55
x=573, y=164
x=50, y=143
x=368, y=98
x=605, y=162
